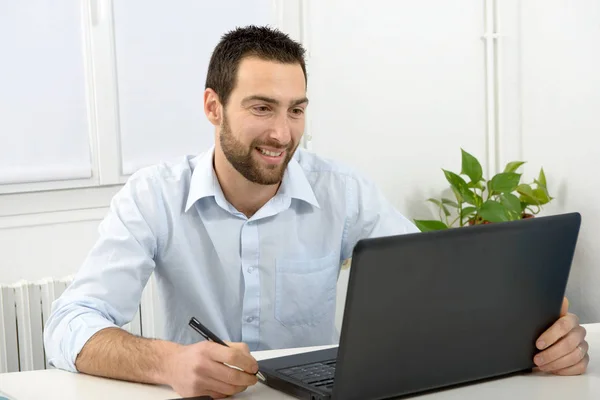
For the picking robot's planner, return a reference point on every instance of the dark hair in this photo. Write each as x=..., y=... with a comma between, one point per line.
x=257, y=41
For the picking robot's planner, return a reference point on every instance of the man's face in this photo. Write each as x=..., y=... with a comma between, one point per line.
x=264, y=119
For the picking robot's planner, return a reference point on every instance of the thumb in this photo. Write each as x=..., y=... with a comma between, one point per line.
x=565, y=307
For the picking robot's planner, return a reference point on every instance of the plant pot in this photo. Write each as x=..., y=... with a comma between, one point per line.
x=480, y=221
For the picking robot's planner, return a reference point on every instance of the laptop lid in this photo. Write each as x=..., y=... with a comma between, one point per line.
x=428, y=310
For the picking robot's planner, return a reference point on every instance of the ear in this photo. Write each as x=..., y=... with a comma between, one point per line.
x=212, y=107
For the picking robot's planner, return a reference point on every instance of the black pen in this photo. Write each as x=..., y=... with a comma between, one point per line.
x=208, y=335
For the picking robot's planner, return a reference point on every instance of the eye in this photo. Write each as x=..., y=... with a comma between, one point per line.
x=298, y=111
x=261, y=109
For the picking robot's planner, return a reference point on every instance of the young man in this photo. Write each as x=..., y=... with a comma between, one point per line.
x=247, y=237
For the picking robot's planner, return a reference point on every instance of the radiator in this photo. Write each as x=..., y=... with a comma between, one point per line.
x=24, y=310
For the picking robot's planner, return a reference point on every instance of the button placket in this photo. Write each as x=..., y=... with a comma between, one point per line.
x=251, y=302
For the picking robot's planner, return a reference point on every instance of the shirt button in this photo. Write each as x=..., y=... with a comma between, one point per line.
x=250, y=270
x=249, y=319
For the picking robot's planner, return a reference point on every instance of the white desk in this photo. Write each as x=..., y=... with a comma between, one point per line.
x=61, y=385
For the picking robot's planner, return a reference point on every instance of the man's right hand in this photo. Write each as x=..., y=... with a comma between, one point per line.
x=199, y=369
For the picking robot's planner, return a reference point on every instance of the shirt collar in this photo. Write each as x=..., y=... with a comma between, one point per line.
x=204, y=182
x=296, y=185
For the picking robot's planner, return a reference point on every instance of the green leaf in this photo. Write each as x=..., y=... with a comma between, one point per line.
x=430, y=225
x=440, y=205
x=476, y=185
x=493, y=211
x=505, y=182
x=450, y=203
x=513, y=166
x=542, y=178
x=471, y=167
x=541, y=195
x=461, y=187
x=436, y=202
x=478, y=200
x=527, y=195
x=528, y=200
x=467, y=211
x=459, y=197
x=512, y=204
x=525, y=190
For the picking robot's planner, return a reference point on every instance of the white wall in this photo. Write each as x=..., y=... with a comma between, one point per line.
x=396, y=89
x=560, y=124
x=38, y=251
x=48, y=234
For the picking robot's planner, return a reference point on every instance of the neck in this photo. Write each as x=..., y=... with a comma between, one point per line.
x=247, y=197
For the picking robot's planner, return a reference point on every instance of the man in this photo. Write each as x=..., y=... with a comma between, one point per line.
x=247, y=237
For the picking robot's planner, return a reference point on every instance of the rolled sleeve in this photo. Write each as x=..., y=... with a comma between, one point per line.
x=107, y=289
x=67, y=334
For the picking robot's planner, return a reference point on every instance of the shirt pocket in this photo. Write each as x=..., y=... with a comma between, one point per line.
x=305, y=290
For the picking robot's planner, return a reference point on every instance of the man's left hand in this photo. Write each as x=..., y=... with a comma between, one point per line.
x=563, y=345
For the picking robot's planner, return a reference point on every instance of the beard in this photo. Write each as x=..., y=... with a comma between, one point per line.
x=242, y=159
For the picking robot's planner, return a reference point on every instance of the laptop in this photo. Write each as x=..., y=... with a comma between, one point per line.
x=427, y=311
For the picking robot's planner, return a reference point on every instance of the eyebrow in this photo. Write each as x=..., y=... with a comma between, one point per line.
x=273, y=101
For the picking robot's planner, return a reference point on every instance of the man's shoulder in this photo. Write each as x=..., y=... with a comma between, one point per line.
x=171, y=176
x=314, y=164
x=167, y=171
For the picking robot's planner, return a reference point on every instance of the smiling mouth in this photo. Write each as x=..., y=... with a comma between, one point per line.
x=269, y=153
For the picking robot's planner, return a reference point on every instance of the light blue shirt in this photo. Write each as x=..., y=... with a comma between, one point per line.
x=268, y=281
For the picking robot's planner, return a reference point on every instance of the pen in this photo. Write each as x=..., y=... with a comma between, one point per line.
x=208, y=335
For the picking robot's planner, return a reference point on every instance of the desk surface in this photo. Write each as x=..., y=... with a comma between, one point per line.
x=60, y=385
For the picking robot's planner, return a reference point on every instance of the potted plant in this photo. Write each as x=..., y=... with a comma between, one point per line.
x=479, y=201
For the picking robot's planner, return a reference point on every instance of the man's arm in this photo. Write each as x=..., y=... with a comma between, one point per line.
x=83, y=334
x=192, y=370
x=115, y=353
x=369, y=214
x=107, y=289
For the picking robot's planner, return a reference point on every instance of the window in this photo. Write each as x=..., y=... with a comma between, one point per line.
x=44, y=121
x=91, y=91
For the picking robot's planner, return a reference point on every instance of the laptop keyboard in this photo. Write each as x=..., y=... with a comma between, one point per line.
x=318, y=374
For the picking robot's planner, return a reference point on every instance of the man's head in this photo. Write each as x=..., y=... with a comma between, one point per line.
x=256, y=96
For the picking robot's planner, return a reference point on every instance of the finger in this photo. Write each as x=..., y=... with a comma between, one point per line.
x=207, y=383
x=240, y=346
x=565, y=307
x=576, y=369
x=561, y=348
x=569, y=360
x=234, y=357
x=217, y=386
x=231, y=376
x=562, y=327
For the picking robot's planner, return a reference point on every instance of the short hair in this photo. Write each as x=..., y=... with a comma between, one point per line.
x=251, y=41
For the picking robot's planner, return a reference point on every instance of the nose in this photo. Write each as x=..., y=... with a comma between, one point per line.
x=282, y=131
